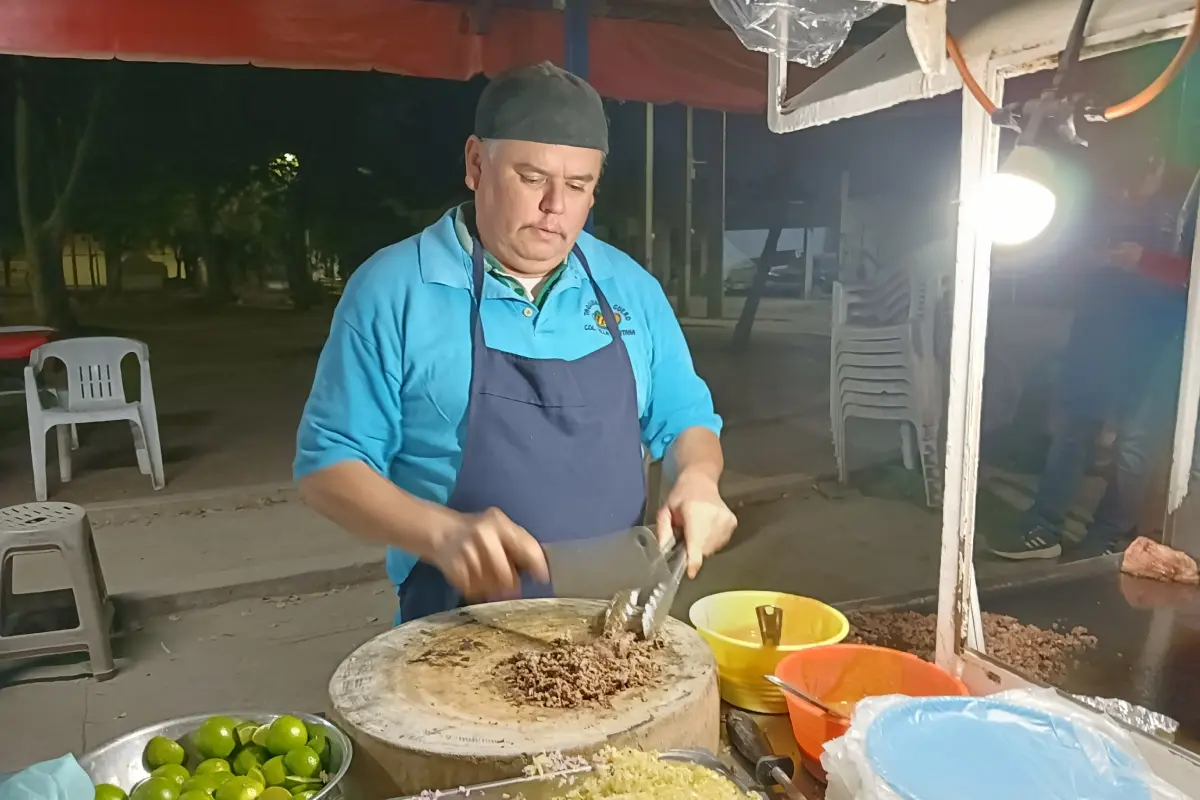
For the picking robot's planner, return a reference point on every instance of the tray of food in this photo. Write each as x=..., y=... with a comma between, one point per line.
x=234, y=755
x=668, y=775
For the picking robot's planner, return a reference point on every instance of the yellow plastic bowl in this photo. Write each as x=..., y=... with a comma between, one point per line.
x=729, y=623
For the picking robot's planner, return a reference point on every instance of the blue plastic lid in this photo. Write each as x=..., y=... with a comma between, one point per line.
x=950, y=748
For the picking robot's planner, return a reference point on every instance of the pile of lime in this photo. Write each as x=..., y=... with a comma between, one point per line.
x=239, y=760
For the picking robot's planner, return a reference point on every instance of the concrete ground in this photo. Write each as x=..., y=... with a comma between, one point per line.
x=230, y=387
x=250, y=654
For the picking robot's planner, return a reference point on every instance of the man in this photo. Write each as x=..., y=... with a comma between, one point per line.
x=490, y=383
x=1123, y=350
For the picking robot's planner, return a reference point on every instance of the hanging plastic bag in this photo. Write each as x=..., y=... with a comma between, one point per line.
x=808, y=32
x=1026, y=743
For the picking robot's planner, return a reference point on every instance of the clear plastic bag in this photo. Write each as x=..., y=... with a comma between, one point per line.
x=1025, y=743
x=809, y=32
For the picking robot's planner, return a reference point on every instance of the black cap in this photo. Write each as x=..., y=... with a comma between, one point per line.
x=542, y=103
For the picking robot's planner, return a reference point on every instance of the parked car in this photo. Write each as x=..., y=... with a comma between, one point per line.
x=785, y=280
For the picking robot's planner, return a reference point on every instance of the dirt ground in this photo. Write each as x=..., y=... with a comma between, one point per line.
x=230, y=386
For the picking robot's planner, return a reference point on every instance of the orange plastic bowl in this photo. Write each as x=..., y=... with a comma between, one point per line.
x=840, y=675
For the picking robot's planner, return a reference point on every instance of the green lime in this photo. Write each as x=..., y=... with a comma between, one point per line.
x=174, y=772
x=106, y=791
x=320, y=745
x=302, y=762
x=160, y=751
x=206, y=783
x=274, y=771
x=255, y=774
x=286, y=734
x=275, y=793
x=215, y=739
x=250, y=757
x=245, y=733
x=295, y=783
x=195, y=794
x=259, y=737
x=211, y=765
x=240, y=788
x=305, y=794
x=156, y=789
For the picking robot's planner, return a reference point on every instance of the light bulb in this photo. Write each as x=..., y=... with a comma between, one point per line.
x=1013, y=209
x=1016, y=204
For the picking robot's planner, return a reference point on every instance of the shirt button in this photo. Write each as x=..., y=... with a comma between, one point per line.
x=528, y=311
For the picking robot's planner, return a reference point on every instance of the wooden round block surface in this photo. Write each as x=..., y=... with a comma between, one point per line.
x=426, y=710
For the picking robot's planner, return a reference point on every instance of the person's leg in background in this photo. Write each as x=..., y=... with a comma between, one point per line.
x=1144, y=434
x=1067, y=461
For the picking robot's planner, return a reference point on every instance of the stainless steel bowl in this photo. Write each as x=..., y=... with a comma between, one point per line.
x=119, y=762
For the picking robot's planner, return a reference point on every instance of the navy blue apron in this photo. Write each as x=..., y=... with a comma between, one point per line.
x=556, y=445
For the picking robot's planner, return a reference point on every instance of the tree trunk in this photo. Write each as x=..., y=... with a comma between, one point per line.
x=218, y=287
x=43, y=238
x=113, y=266
x=300, y=282
x=741, y=333
x=6, y=260
x=51, y=303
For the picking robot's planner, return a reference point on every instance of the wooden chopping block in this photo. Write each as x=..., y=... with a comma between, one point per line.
x=425, y=710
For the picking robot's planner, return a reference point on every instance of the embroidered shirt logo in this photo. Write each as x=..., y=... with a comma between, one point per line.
x=596, y=322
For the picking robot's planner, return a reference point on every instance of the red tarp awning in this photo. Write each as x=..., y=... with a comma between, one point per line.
x=630, y=60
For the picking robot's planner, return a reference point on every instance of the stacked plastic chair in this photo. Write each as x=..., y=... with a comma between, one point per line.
x=883, y=366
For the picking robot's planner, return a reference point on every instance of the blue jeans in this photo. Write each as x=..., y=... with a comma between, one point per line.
x=1142, y=435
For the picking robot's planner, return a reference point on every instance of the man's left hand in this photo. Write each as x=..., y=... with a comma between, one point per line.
x=694, y=507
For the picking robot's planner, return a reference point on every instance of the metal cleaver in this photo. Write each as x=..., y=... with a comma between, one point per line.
x=600, y=567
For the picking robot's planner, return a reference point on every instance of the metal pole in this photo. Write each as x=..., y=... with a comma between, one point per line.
x=683, y=305
x=1189, y=401
x=575, y=51
x=959, y=624
x=575, y=37
x=716, y=261
x=648, y=219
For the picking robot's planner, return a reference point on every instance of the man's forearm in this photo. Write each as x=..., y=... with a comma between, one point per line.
x=696, y=450
x=366, y=504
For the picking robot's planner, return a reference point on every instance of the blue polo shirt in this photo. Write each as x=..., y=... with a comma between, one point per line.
x=394, y=376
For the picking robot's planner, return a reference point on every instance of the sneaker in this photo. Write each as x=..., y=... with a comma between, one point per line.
x=1038, y=542
x=1088, y=548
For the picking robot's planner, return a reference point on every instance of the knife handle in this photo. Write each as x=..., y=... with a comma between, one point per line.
x=747, y=738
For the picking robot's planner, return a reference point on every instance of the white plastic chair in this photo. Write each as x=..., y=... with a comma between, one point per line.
x=94, y=393
x=883, y=365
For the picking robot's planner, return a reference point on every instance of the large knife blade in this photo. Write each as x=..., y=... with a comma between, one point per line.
x=600, y=567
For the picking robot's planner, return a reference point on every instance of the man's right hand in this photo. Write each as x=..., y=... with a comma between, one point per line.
x=484, y=555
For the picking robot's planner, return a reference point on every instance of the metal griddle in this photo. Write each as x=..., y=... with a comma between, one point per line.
x=1144, y=656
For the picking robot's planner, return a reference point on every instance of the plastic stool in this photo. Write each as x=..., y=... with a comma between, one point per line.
x=62, y=528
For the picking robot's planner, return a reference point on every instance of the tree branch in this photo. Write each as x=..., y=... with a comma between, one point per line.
x=21, y=162
x=57, y=220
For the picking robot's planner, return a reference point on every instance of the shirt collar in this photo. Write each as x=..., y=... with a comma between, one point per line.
x=445, y=259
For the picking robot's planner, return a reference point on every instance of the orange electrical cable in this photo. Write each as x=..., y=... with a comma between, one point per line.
x=1142, y=98
x=968, y=79
x=1116, y=111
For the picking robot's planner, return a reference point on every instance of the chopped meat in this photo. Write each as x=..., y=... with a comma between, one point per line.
x=1149, y=559
x=1041, y=654
x=570, y=675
